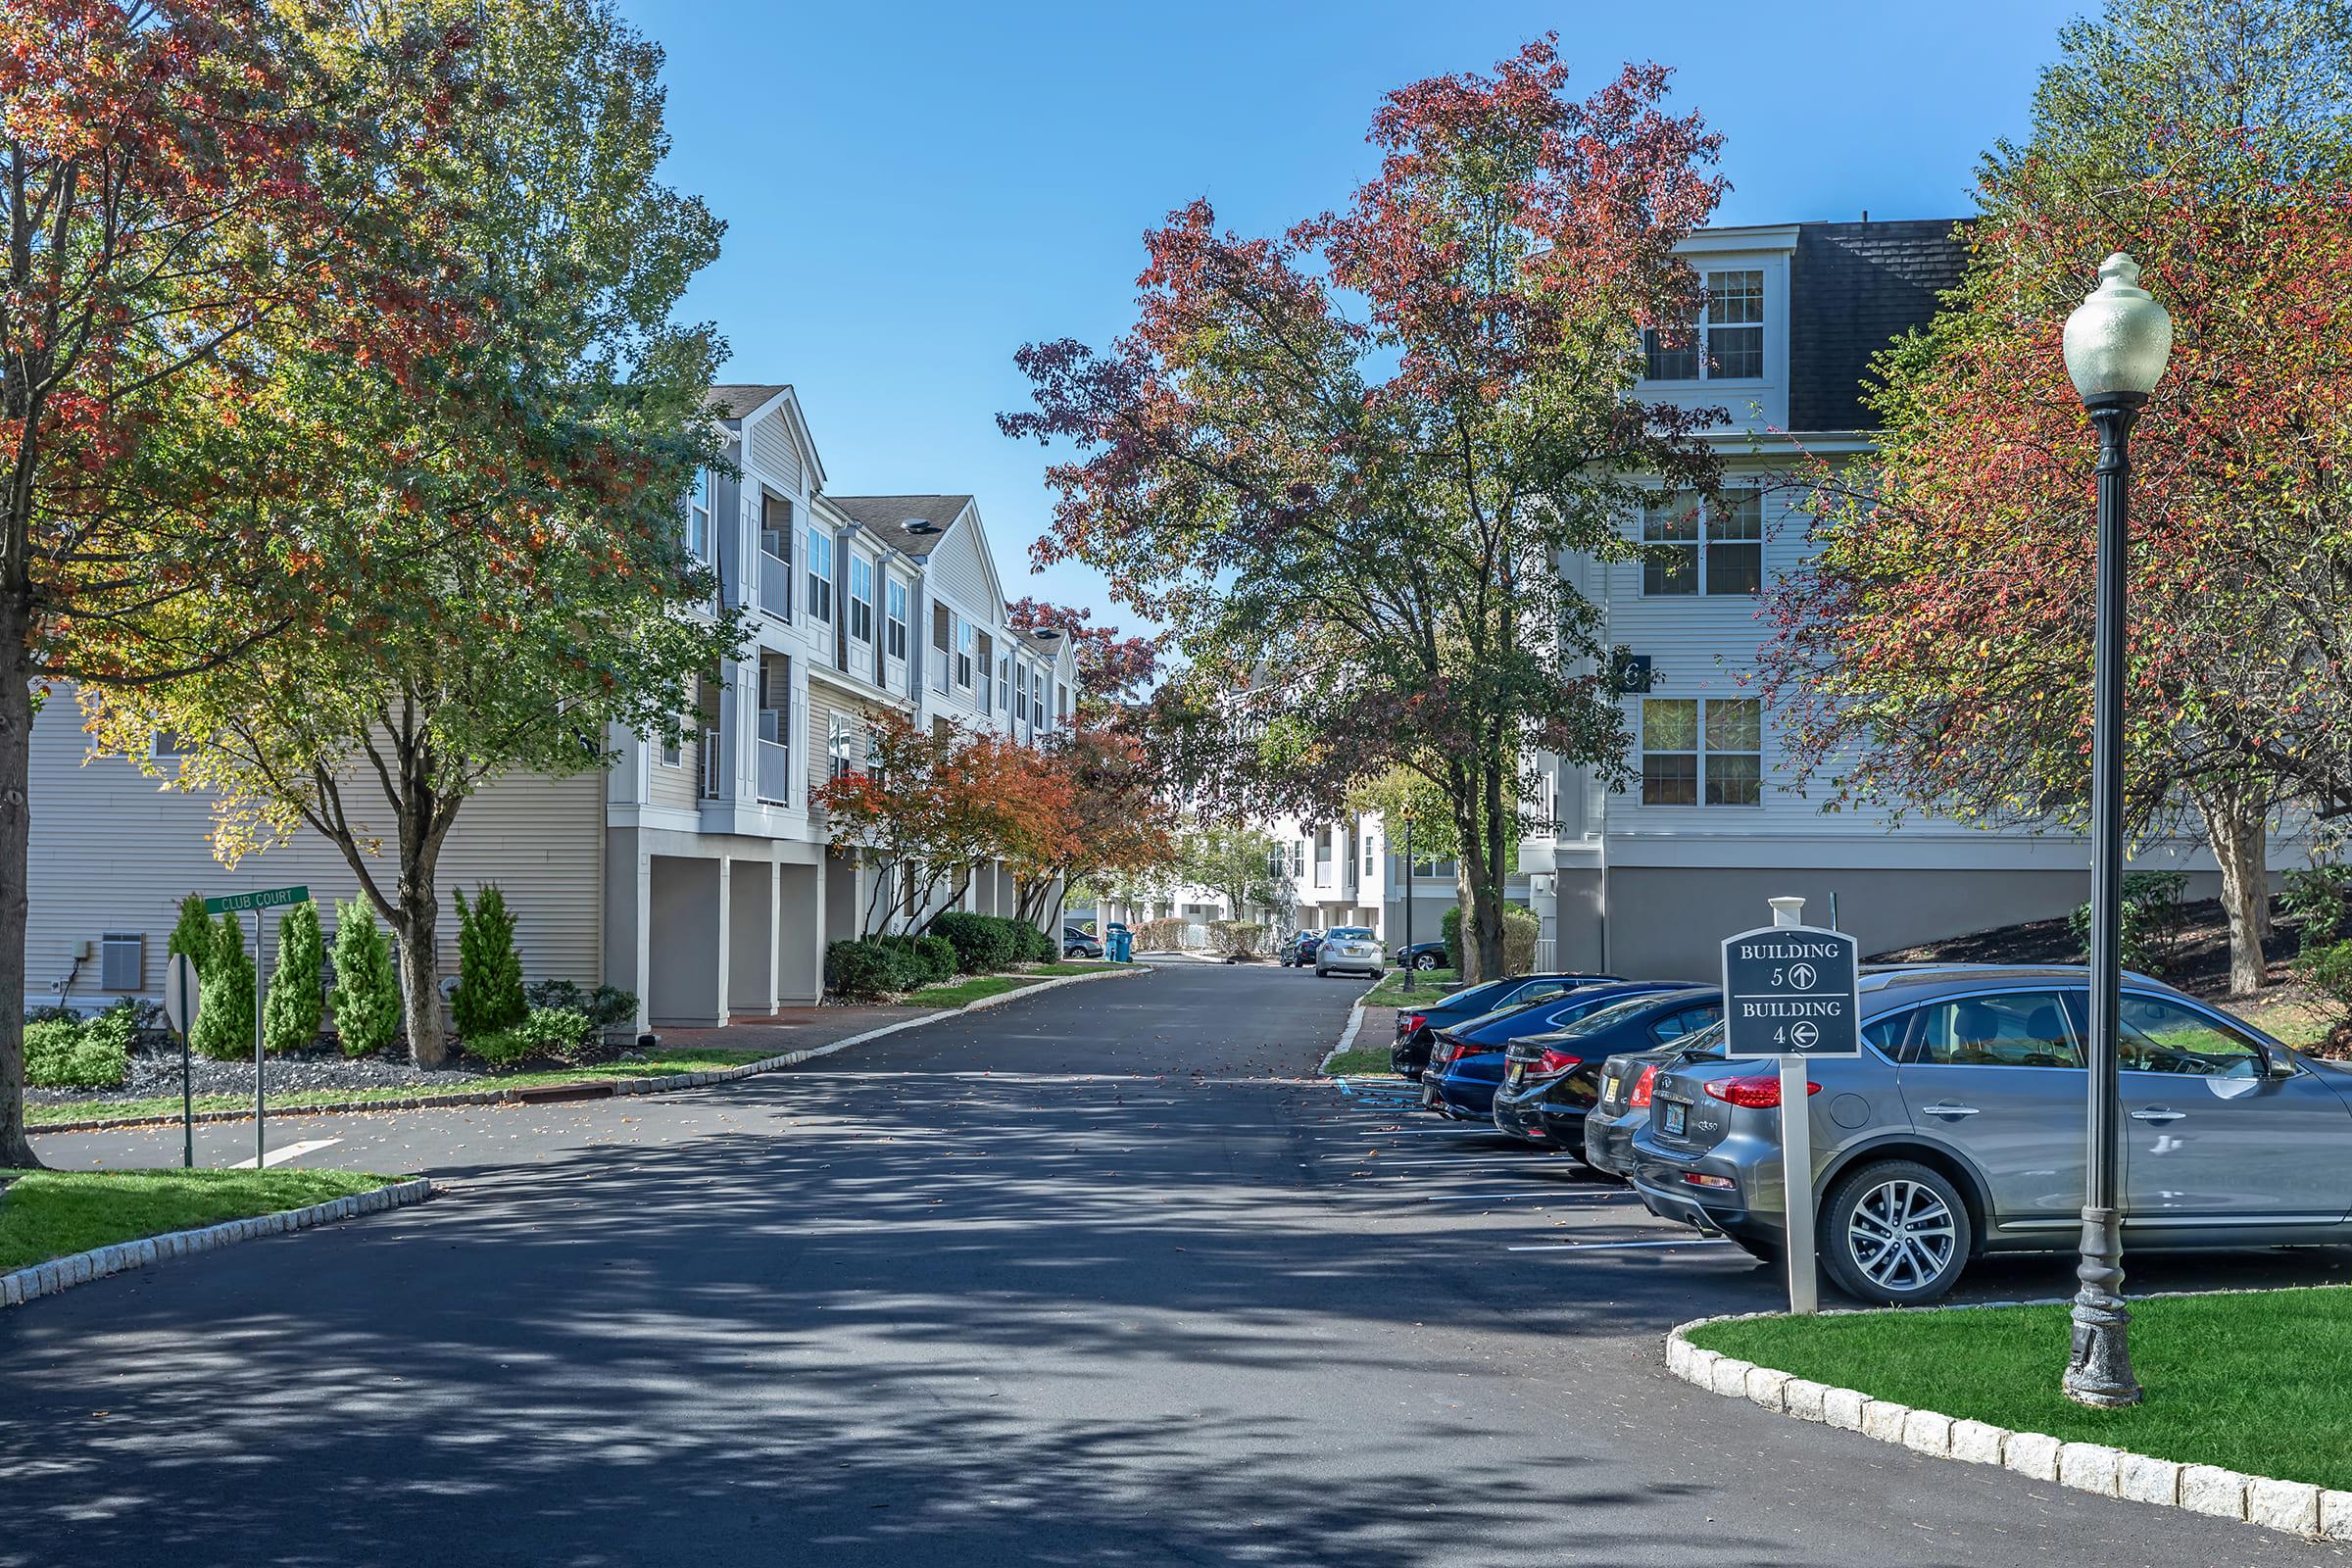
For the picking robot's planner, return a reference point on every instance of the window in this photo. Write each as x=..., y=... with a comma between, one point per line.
x=862, y=598
x=2016, y=1029
x=1689, y=1021
x=1694, y=546
x=1322, y=859
x=820, y=573
x=1368, y=854
x=1435, y=865
x=776, y=528
x=672, y=751
x=1020, y=696
x=987, y=661
x=166, y=744
x=963, y=653
x=1703, y=749
x=1298, y=858
x=698, y=515
x=895, y=628
x=1726, y=344
x=2160, y=1036
x=1735, y=326
x=839, y=747
x=1037, y=692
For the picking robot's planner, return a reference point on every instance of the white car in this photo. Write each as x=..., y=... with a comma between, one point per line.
x=1350, y=948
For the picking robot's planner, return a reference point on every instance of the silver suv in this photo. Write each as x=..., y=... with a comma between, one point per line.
x=1959, y=1131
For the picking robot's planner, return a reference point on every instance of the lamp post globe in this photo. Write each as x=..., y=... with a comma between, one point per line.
x=2116, y=343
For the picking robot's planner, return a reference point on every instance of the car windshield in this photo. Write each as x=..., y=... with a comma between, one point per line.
x=1608, y=1016
x=1344, y=932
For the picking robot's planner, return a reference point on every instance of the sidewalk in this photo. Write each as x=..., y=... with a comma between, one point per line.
x=790, y=1028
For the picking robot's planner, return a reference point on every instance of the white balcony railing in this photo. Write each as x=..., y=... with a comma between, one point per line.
x=775, y=586
x=1546, y=960
x=714, y=762
x=775, y=773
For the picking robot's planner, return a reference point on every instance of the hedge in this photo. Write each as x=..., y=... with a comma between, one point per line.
x=64, y=1055
x=983, y=942
x=1520, y=929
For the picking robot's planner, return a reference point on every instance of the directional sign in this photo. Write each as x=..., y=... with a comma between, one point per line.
x=267, y=898
x=180, y=993
x=1789, y=991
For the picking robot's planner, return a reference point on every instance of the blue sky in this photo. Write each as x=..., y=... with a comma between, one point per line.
x=911, y=191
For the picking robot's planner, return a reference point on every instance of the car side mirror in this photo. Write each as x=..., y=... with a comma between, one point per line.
x=2279, y=1064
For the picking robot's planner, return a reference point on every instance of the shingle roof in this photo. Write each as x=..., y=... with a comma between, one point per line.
x=888, y=517
x=1854, y=288
x=733, y=401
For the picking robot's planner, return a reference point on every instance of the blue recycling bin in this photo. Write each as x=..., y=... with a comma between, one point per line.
x=1122, y=946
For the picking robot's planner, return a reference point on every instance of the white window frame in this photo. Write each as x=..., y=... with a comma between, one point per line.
x=1725, y=308
x=820, y=573
x=178, y=748
x=966, y=635
x=1701, y=751
x=1663, y=508
x=894, y=630
x=1020, y=696
x=700, y=504
x=862, y=598
x=840, y=743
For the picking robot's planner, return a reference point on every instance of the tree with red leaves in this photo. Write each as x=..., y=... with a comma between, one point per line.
x=191, y=203
x=1935, y=649
x=1113, y=672
x=1341, y=466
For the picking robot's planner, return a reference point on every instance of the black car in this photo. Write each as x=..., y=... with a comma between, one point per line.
x=1076, y=943
x=1416, y=1027
x=1622, y=1106
x=1299, y=950
x=1549, y=1081
x=1420, y=956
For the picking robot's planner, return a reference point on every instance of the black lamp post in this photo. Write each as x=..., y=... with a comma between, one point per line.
x=2116, y=342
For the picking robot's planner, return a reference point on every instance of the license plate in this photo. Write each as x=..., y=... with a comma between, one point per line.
x=1678, y=1117
x=1516, y=1071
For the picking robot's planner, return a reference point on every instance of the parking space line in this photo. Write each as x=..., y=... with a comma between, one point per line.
x=1480, y=1198
x=1615, y=1247
x=278, y=1156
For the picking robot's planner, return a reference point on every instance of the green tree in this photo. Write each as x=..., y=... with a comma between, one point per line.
x=1244, y=866
x=1343, y=465
x=531, y=591
x=193, y=936
x=226, y=996
x=297, y=1002
x=489, y=996
x=366, y=995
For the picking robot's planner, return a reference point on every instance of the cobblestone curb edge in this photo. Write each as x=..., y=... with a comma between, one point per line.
x=80, y=1268
x=2296, y=1507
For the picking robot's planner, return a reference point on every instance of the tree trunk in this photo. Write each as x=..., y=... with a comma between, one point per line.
x=420, y=954
x=1479, y=896
x=16, y=747
x=2234, y=823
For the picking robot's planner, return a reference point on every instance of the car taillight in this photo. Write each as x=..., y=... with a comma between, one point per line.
x=1649, y=1075
x=1475, y=1048
x=1756, y=1093
x=1407, y=1022
x=1558, y=1061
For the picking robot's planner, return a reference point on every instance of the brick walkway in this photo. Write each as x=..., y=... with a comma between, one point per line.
x=792, y=1029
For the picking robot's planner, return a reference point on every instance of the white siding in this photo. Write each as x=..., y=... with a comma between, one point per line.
x=775, y=454
x=113, y=852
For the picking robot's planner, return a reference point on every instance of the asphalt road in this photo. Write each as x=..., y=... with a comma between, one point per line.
x=1095, y=1278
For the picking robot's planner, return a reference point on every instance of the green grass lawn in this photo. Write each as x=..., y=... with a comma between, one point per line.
x=48, y=1213
x=661, y=1064
x=1360, y=1061
x=1428, y=986
x=2259, y=1382
x=2301, y=1024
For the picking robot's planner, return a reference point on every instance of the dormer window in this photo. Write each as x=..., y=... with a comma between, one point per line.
x=1726, y=344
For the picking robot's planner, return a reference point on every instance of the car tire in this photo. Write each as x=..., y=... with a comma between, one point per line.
x=1427, y=961
x=1916, y=1206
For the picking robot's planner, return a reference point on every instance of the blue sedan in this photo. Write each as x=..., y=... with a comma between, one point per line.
x=1466, y=1063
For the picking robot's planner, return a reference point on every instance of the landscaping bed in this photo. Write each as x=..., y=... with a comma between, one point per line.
x=2256, y=1381
x=1429, y=985
x=46, y=1214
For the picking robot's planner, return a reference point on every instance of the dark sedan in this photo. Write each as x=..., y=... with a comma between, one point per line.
x=1298, y=952
x=1622, y=1106
x=1077, y=944
x=1417, y=1027
x=1550, y=1081
x=1420, y=956
x=1466, y=1065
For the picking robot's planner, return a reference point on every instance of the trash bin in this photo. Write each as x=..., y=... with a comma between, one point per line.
x=1122, y=946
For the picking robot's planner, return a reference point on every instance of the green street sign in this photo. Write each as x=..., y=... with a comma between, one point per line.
x=267, y=898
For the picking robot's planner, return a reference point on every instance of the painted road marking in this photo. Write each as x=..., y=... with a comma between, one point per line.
x=278, y=1156
x=1614, y=1246
x=1480, y=1198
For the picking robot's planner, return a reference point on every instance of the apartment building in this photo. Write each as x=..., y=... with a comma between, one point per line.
x=697, y=875
x=1649, y=880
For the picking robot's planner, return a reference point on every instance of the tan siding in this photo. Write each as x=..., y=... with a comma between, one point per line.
x=680, y=785
x=112, y=852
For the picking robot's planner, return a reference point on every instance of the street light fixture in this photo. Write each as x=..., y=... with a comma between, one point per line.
x=2116, y=343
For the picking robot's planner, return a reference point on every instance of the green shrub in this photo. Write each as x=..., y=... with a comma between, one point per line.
x=551, y=1032
x=1036, y=945
x=61, y=1055
x=2153, y=917
x=1450, y=931
x=606, y=1008
x=120, y=1025
x=297, y=1001
x=927, y=960
x=224, y=1000
x=983, y=945
x=489, y=996
x=2315, y=898
x=866, y=970
x=366, y=995
x=193, y=936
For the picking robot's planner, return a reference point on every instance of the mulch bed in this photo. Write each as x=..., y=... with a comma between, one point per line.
x=2198, y=963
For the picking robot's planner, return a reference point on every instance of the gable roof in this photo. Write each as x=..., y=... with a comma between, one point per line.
x=741, y=400
x=1853, y=289
x=888, y=515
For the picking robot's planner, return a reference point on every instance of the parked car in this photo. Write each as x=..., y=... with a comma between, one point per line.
x=1621, y=1101
x=1466, y=1063
x=1550, y=1080
x=1959, y=1131
x=1420, y=956
x=1416, y=1027
x=1299, y=950
x=1350, y=950
x=1076, y=943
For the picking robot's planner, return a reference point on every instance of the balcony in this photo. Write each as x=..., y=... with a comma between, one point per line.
x=775, y=586
x=775, y=773
x=714, y=762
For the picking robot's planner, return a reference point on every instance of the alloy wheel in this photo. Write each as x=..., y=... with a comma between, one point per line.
x=1901, y=1235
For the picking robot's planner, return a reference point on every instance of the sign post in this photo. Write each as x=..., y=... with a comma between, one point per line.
x=179, y=1010
x=1790, y=990
x=265, y=899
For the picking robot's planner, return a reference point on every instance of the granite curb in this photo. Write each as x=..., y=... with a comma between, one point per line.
x=80, y=1268
x=670, y=1084
x=2296, y=1507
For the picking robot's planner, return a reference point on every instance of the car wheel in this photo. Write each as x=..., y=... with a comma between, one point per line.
x=1322, y=973
x=1427, y=961
x=1895, y=1234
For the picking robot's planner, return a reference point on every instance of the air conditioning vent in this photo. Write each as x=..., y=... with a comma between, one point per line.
x=123, y=961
